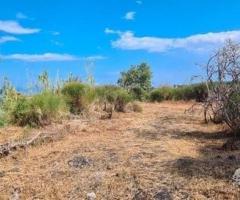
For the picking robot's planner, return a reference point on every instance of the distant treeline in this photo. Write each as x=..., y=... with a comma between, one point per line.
x=197, y=91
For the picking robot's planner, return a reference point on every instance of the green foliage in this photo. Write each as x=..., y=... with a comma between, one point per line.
x=2, y=118
x=137, y=80
x=9, y=96
x=78, y=96
x=8, y=99
x=232, y=110
x=122, y=99
x=107, y=93
x=196, y=92
x=37, y=110
x=110, y=94
x=156, y=95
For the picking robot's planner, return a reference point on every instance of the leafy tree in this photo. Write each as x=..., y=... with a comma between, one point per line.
x=137, y=80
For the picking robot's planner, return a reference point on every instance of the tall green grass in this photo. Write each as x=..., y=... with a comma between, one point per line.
x=38, y=110
x=78, y=96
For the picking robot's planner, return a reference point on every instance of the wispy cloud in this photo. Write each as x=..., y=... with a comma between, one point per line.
x=39, y=57
x=14, y=27
x=20, y=15
x=199, y=42
x=4, y=39
x=47, y=57
x=110, y=31
x=130, y=15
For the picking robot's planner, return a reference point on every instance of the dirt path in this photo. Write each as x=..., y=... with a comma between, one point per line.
x=160, y=153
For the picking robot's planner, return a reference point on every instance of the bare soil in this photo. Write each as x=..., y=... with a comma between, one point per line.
x=161, y=153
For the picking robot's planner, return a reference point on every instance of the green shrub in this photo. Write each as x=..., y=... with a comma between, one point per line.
x=122, y=99
x=107, y=93
x=114, y=95
x=156, y=95
x=78, y=96
x=50, y=104
x=37, y=110
x=2, y=118
x=196, y=92
x=25, y=113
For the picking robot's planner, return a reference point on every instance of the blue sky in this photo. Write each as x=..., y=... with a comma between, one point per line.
x=107, y=36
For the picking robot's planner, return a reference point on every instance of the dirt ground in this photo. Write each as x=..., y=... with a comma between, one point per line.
x=161, y=153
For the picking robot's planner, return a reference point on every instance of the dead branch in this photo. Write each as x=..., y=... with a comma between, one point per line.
x=6, y=149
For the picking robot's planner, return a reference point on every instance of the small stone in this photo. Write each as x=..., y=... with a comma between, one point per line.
x=140, y=195
x=163, y=195
x=236, y=176
x=79, y=162
x=91, y=196
x=2, y=174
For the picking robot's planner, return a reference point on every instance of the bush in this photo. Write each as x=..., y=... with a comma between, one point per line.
x=37, y=110
x=107, y=93
x=2, y=118
x=78, y=96
x=156, y=95
x=223, y=77
x=24, y=113
x=114, y=95
x=196, y=92
x=122, y=99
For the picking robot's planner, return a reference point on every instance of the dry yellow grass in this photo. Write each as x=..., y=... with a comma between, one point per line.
x=132, y=156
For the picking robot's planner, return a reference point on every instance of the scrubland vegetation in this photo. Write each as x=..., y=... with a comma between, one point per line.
x=156, y=145
x=53, y=103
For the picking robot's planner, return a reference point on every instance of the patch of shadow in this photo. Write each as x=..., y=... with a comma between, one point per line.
x=163, y=194
x=212, y=149
x=79, y=162
x=141, y=195
x=2, y=174
x=201, y=135
x=215, y=167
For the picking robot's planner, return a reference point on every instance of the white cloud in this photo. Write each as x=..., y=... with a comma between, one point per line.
x=20, y=15
x=110, y=31
x=46, y=57
x=139, y=2
x=4, y=39
x=130, y=15
x=14, y=27
x=199, y=42
x=39, y=57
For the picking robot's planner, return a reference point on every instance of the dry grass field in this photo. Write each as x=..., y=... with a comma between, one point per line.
x=161, y=153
